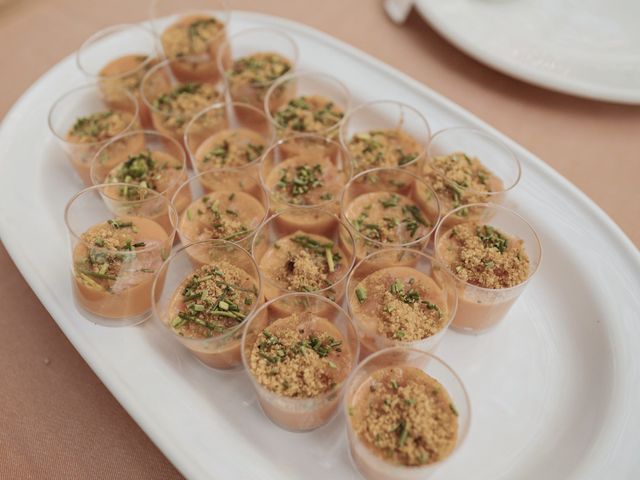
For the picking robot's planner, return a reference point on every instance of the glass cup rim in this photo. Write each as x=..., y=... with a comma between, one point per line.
x=508, y=211
x=307, y=73
x=462, y=433
x=403, y=171
x=85, y=87
x=224, y=105
x=174, y=82
x=276, y=31
x=490, y=138
x=198, y=177
x=155, y=133
x=402, y=105
x=222, y=11
x=411, y=251
x=314, y=136
x=325, y=212
x=183, y=251
x=78, y=237
x=315, y=297
x=107, y=31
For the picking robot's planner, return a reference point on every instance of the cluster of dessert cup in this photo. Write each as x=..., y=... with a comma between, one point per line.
x=214, y=146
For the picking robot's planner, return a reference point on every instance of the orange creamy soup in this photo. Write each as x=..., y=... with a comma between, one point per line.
x=485, y=257
x=397, y=304
x=405, y=417
x=115, y=78
x=115, y=263
x=193, y=42
x=383, y=148
x=211, y=304
x=301, y=356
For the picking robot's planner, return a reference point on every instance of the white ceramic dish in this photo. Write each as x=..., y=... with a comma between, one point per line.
x=554, y=389
x=589, y=48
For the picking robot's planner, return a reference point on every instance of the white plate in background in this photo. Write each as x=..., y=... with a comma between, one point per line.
x=588, y=48
x=554, y=389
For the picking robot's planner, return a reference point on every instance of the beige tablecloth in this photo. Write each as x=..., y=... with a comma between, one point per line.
x=57, y=420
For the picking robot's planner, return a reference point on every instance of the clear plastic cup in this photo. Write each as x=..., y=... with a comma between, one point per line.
x=160, y=84
x=408, y=126
x=234, y=135
x=70, y=113
x=490, y=151
x=124, y=71
x=372, y=466
x=302, y=413
x=379, y=187
x=222, y=349
x=192, y=36
x=308, y=84
x=480, y=309
x=416, y=271
x=254, y=44
x=267, y=248
x=240, y=200
x=112, y=286
x=314, y=178
x=163, y=156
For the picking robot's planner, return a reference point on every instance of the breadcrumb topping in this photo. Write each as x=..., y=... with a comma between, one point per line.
x=232, y=148
x=183, y=102
x=220, y=216
x=99, y=126
x=383, y=148
x=311, y=114
x=211, y=300
x=407, y=308
x=460, y=180
x=189, y=37
x=300, y=356
x=405, y=416
x=485, y=256
x=258, y=70
x=153, y=170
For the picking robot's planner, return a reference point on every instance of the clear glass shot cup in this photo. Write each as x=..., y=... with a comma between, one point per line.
x=113, y=163
x=480, y=309
x=267, y=249
x=112, y=286
x=220, y=351
x=156, y=89
x=234, y=135
x=369, y=464
x=404, y=264
x=138, y=52
x=249, y=44
x=308, y=84
x=409, y=128
x=314, y=151
x=372, y=187
x=301, y=414
x=184, y=37
x=239, y=199
x=489, y=150
x=77, y=104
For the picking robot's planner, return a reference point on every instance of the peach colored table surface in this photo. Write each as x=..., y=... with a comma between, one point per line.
x=56, y=419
